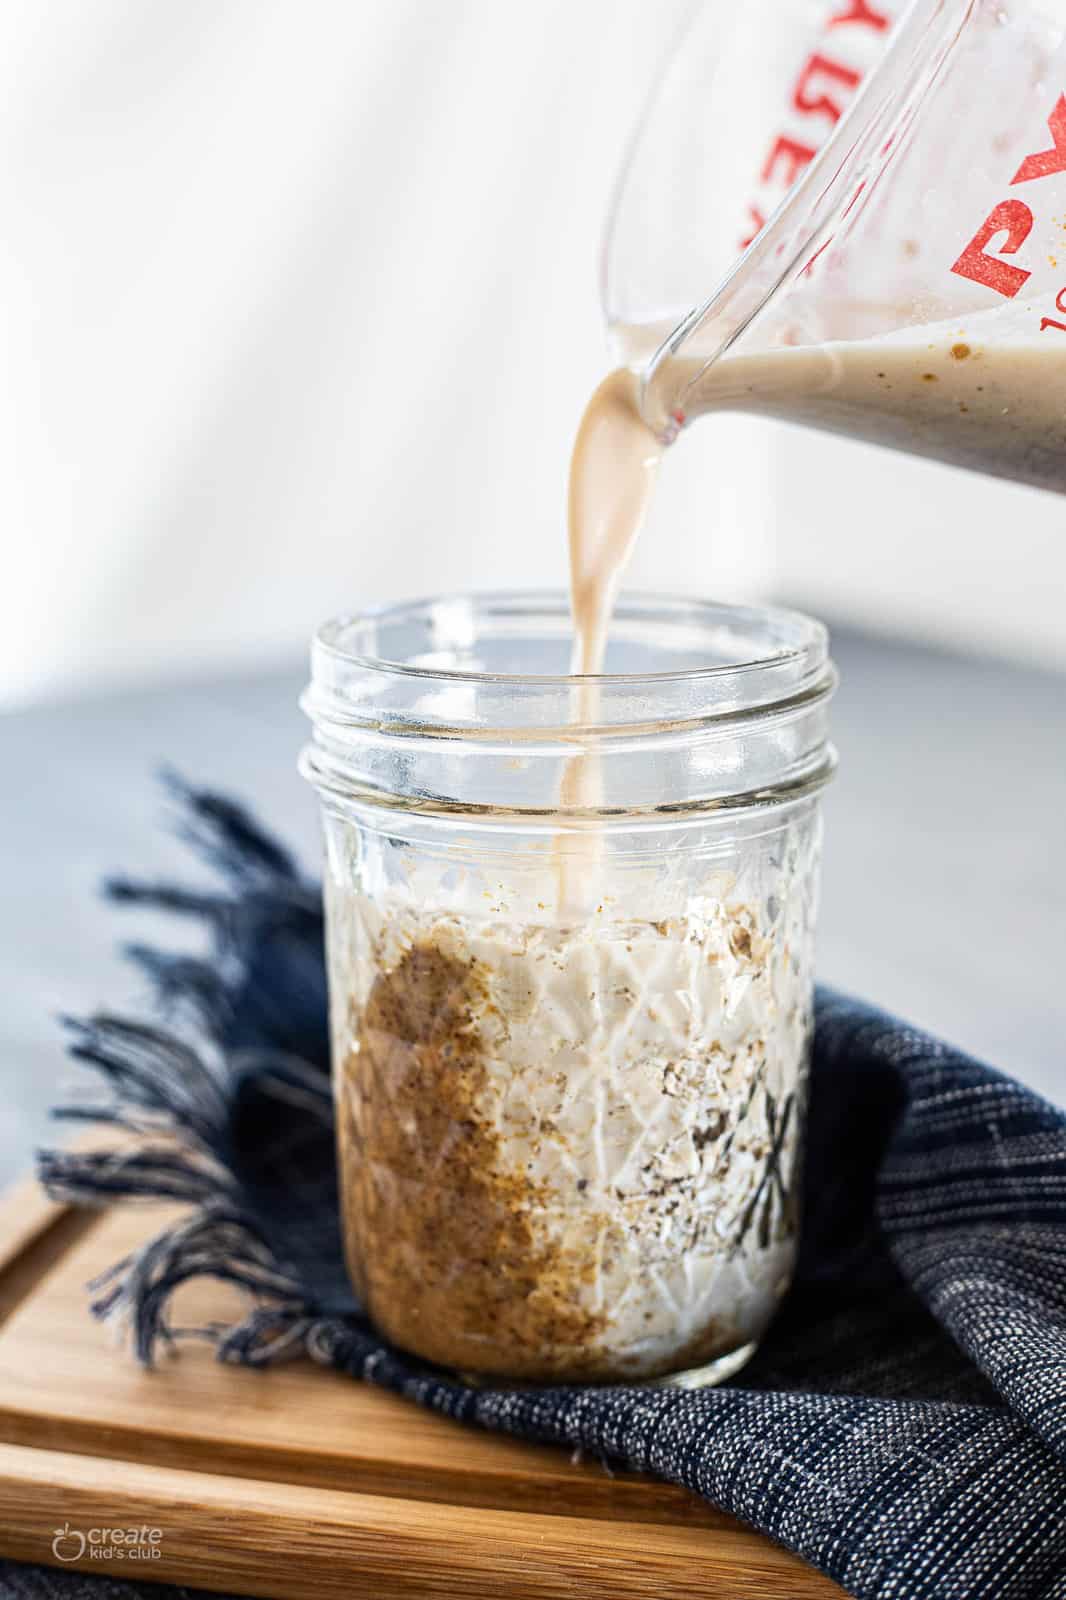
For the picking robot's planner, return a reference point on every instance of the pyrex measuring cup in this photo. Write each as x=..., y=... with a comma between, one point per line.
x=909, y=286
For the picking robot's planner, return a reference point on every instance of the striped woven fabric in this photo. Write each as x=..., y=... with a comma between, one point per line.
x=903, y=1427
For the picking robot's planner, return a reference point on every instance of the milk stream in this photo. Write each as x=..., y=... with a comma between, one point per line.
x=986, y=390
x=612, y=475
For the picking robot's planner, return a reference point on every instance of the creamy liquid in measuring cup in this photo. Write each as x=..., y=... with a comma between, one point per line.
x=987, y=390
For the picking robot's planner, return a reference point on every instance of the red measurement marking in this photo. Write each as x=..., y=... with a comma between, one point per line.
x=859, y=11
x=821, y=67
x=1013, y=218
x=790, y=154
x=1049, y=322
x=822, y=89
x=1047, y=162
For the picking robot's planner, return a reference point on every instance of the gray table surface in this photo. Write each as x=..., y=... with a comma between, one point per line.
x=944, y=892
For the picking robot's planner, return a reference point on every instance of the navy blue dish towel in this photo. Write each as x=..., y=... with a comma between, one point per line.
x=903, y=1427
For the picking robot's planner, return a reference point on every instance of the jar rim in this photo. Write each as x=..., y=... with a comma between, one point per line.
x=410, y=704
x=811, y=638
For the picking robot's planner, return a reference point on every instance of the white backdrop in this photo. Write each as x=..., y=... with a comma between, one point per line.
x=299, y=303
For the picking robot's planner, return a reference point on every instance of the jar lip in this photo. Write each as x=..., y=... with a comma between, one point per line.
x=811, y=637
x=417, y=704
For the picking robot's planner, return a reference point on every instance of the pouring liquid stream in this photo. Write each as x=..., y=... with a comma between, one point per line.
x=612, y=476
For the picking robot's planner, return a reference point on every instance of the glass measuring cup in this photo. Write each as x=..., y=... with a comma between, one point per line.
x=910, y=286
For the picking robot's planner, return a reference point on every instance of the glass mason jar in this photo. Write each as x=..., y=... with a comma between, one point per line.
x=570, y=1021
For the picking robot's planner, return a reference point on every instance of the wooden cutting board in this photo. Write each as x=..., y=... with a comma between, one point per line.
x=297, y=1484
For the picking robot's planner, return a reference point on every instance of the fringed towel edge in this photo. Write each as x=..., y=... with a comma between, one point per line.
x=168, y=1095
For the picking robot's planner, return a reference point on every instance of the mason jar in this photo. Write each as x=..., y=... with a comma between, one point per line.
x=569, y=939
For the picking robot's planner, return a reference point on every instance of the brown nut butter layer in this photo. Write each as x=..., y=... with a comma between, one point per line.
x=452, y=1268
